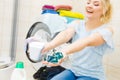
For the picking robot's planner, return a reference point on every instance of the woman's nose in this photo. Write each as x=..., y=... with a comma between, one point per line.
x=89, y=5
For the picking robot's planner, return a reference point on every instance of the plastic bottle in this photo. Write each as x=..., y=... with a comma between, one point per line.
x=19, y=72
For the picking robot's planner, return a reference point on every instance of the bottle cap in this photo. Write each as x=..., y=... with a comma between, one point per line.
x=20, y=65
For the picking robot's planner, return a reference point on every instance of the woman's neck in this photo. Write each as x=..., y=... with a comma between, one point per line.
x=92, y=24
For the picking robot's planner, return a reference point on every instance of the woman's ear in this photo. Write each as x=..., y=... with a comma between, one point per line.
x=104, y=11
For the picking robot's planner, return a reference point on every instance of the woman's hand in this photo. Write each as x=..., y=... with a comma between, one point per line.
x=52, y=61
x=46, y=48
x=53, y=64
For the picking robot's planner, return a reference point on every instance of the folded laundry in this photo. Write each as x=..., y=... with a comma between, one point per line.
x=71, y=14
x=48, y=7
x=49, y=11
x=63, y=7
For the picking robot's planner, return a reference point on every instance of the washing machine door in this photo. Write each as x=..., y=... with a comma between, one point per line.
x=39, y=30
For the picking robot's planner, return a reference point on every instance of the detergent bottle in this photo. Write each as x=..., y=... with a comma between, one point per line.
x=19, y=72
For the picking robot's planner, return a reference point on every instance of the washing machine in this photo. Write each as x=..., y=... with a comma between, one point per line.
x=42, y=31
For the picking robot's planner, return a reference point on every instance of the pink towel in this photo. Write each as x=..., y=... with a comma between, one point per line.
x=48, y=7
x=63, y=7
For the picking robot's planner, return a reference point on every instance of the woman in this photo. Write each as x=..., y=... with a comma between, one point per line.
x=90, y=40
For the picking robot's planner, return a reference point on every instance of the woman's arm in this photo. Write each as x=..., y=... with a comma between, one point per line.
x=95, y=39
x=61, y=38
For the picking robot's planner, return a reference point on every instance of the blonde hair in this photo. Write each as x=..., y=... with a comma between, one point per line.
x=107, y=11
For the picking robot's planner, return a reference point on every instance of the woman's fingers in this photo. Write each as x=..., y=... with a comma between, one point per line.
x=53, y=64
x=46, y=48
x=50, y=64
x=45, y=62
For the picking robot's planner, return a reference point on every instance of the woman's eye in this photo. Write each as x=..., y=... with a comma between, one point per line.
x=96, y=4
x=88, y=2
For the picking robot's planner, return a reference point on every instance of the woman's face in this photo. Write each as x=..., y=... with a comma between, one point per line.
x=94, y=9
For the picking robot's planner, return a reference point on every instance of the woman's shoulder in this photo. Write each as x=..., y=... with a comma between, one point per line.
x=111, y=29
x=104, y=28
x=107, y=29
x=106, y=33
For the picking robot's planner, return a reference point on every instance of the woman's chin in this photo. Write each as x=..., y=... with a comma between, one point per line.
x=89, y=16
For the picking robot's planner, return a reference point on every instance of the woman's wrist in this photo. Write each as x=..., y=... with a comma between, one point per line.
x=65, y=51
x=50, y=45
x=64, y=54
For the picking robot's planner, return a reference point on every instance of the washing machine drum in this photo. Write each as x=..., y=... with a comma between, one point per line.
x=41, y=31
